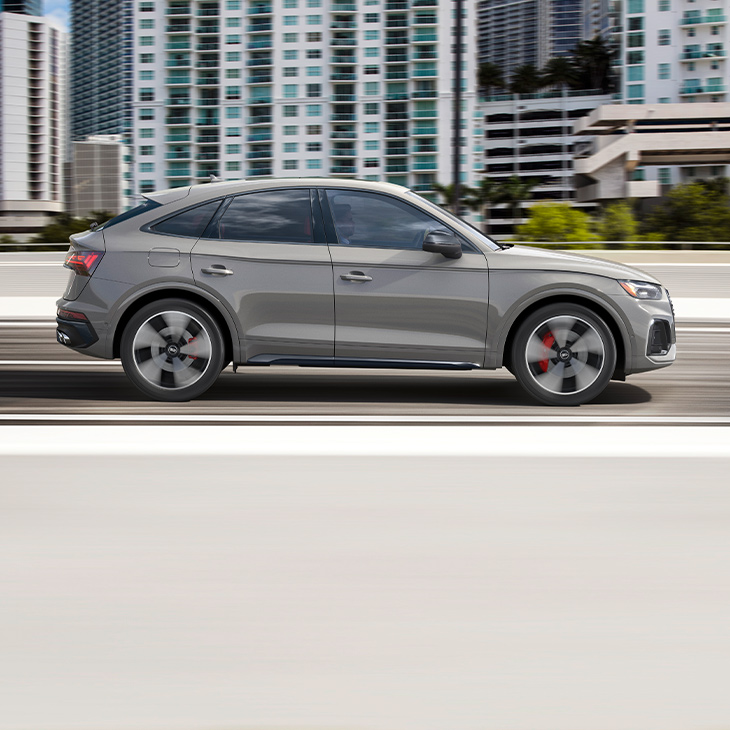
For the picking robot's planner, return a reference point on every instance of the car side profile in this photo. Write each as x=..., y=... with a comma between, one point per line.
x=346, y=273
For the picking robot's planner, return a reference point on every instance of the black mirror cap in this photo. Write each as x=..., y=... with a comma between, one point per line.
x=443, y=242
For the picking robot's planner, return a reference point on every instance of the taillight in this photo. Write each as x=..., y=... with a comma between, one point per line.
x=83, y=262
x=69, y=314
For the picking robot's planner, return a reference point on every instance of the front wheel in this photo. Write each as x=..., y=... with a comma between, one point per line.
x=564, y=354
x=172, y=350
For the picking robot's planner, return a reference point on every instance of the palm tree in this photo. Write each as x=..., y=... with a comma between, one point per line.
x=559, y=71
x=447, y=193
x=489, y=76
x=593, y=60
x=515, y=190
x=525, y=79
x=486, y=193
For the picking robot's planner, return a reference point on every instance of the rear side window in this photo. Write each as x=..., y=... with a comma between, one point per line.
x=276, y=216
x=131, y=213
x=191, y=222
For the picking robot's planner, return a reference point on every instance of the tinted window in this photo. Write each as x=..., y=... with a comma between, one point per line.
x=141, y=208
x=279, y=216
x=369, y=219
x=191, y=222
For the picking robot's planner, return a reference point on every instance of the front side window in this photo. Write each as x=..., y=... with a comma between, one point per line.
x=378, y=221
x=191, y=222
x=272, y=216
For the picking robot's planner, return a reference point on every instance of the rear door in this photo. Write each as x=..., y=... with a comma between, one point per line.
x=393, y=300
x=265, y=255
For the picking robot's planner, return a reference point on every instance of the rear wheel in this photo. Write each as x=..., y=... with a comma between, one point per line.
x=172, y=350
x=564, y=354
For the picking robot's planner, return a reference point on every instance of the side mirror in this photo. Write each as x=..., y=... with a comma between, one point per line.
x=443, y=242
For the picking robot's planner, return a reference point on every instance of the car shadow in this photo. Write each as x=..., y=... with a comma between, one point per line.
x=297, y=387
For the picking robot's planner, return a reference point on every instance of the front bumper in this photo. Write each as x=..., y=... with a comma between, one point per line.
x=654, y=334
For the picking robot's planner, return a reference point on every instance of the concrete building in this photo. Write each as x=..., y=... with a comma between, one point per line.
x=24, y=7
x=531, y=136
x=32, y=121
x=101, y=68
x=516, y=32
x=651, y=137
x=674, y=51
x=98, y=173
x=247, y=88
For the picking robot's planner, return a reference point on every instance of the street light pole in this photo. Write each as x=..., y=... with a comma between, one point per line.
x=456, y=181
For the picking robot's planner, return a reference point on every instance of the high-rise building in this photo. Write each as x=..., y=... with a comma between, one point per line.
x=513, y=33
x=24, y=7
x=248, y=88
x=32, y=121
x=101, y=67
x=97, y=176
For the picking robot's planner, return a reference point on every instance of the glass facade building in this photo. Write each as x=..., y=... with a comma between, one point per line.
x=24, y=7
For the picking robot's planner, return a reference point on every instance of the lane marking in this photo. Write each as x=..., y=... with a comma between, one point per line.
x=369, y=419
x=572, y=442
x=85, y=363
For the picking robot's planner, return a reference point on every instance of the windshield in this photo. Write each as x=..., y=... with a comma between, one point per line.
x=484, y=239
x=141, y=208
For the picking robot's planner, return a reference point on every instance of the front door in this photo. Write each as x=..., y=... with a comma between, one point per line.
x=393, y=300
x=265, y=255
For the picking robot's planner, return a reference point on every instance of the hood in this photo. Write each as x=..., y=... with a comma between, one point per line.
x=526, y=257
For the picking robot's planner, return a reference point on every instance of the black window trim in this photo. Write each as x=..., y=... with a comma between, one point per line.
x=329, y=221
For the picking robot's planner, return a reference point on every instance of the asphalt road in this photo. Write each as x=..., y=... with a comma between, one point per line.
x=697, y=385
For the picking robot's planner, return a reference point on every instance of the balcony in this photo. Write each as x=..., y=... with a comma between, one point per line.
x=179, y=63
x=343, y=153
x=260, y=155
x=425, y=165
x=343, y=170
x=343, y=24
x=400, y=39
x=343, y=135
x=344, y=60
x=396, y=151
x=260, y=119
x=703, y=89
x=704, y=20
x=260, y=137
x=425, y=149
x=258, y=171
x=261, y=10
x=343, y=42
x=175, y=120
x=419, y=54
x=178, y=46
x=260, y=79
x=396, y=168
x=179, y=101
x=425, y=20
x=207, y=139
x=178, y=173
x=699, y=55
x=265, y=43
x=208, y=81
x=425, y=72
x=208, y=47
x=343, y=97
x=253, y=100
x=424, y=114
x=180, y=10
x=401, y=57
x=208, y=121
x=208, y=102
x=178, y=28
x=391, y=75
x=343, y=8
x=260, y=62
x=396, y=116
x=343, y=117
x=178, y=138
x=343, y=77
x=210, y=29
x=424, y=37
x=421, y=131
x=208, y=13
x=396, y=23
x=422, y=188
x=396, y=5
x=260, y=27
x=396, y=133
x=179, y=155
x=206, y=156
x=177, y=80
x=397, y=96
x=424, y=94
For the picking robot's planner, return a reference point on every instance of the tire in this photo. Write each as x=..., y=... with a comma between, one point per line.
x=172, y=350
x=563, y=355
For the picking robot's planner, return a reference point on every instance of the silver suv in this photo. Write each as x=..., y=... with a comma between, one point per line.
x=346, y=273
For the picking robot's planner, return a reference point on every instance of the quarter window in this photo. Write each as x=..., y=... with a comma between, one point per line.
x=191, y=222
x=275, y=216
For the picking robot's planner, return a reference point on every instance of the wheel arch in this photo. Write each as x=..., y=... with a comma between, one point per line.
x=212, y=306
x=608, y=314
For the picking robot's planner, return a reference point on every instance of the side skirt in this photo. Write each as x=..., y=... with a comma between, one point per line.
x=359, y=362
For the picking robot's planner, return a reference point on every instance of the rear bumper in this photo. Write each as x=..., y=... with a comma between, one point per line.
x=77, y=335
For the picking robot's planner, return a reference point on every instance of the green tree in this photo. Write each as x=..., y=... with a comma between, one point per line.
x=489, y=76
x=447, y=194
x=64, y=225
x=556, y=222
x=526, y=79
x=485, y=194
x=617, y=223
x=515, y=191
x=560, y=71
x=696, y=211
x=593, y=60
x=7, y=240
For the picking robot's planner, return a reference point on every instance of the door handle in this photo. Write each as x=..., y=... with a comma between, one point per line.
x=355, y=276
x=217, y=270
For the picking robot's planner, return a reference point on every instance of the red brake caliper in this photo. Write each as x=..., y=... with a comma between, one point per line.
x=194, y=357
x=548, y=341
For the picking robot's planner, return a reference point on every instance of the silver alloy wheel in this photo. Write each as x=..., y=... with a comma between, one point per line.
x=172, y=350
x=565, y=355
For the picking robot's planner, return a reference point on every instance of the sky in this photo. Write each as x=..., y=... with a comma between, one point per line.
x=58, y=9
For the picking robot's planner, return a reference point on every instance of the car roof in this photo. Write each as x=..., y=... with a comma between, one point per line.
x=231, y=187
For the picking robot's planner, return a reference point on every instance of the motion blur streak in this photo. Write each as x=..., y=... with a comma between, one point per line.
x=391, y=593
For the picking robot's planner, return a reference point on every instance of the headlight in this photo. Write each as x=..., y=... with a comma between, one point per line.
x=642, y=289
